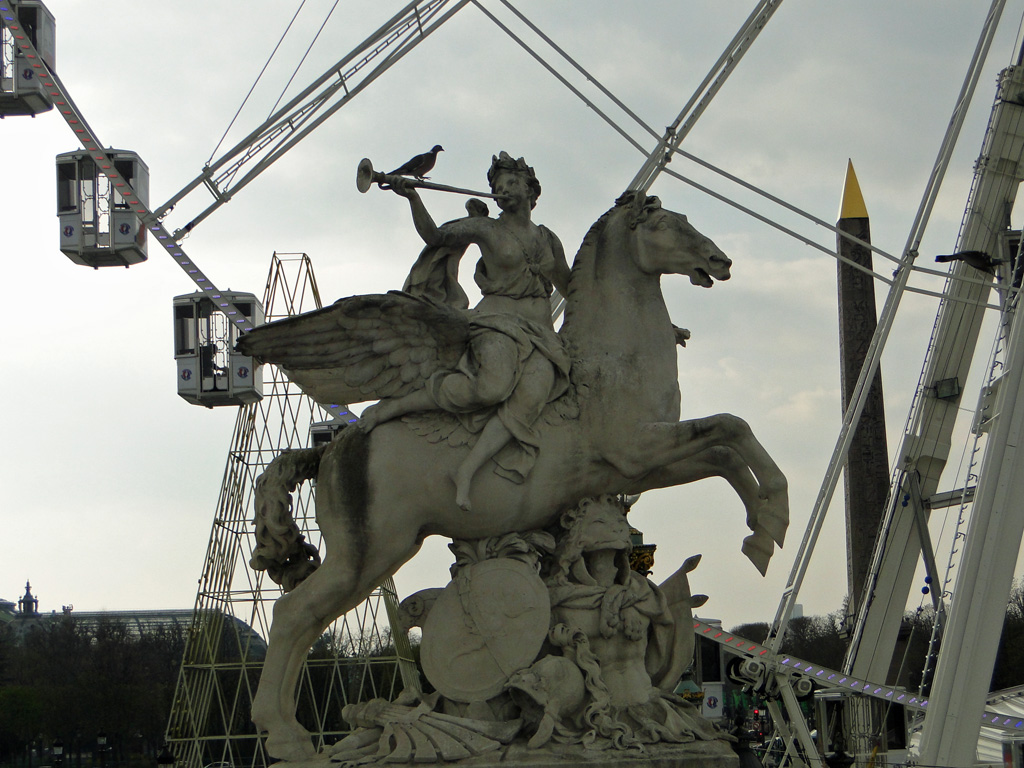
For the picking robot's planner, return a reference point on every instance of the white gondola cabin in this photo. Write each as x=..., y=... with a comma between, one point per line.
x=22, y=91
x=99, y=227
x=323, y=432
x=210, y=371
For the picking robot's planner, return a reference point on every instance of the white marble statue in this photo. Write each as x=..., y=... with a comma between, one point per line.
x=591, y=410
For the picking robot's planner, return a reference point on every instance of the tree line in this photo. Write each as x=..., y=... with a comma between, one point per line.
x=69, y=682
x=822, y=640
x=63, y=682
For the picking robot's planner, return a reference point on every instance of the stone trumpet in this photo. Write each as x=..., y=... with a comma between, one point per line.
x=366, y=176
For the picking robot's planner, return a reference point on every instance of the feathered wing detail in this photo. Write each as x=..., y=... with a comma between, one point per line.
x=441, y=426
x=363, y=347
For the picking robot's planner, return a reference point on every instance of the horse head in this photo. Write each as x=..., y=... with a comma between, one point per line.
x=616, y=278
x=667, y=244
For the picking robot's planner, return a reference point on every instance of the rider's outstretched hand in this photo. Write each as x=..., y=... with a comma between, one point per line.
x=402, y=186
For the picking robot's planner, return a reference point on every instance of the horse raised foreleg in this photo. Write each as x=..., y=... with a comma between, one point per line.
x=720, y=461
x=658, y=445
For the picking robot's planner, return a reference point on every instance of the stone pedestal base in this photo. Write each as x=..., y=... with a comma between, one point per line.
x=699, y=754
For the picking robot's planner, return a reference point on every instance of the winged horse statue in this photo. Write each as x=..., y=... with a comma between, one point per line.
x=381, y=493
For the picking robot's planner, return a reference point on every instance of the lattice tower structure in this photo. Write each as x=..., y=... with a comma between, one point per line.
x=355, y=660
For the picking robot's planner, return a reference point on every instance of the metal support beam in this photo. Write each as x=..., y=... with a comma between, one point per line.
x=796, y=717
x=983, y=583
x=701, y=98
x=925, y=541
x=926, y=442
x=799, y=672
x=781, y=723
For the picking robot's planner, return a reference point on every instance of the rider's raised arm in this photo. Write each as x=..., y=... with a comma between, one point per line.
x=423, y=221
x=456, y=233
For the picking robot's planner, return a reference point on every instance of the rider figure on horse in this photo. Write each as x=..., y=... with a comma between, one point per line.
x=515, y=363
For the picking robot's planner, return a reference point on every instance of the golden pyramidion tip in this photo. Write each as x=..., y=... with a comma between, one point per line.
x=852, y=206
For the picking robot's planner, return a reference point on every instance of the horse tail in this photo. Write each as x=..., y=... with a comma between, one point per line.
x=281, y=549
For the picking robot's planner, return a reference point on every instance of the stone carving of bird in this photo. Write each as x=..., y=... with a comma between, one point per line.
x=420, y=165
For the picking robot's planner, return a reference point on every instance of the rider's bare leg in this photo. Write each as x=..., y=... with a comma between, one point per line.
x=392, y=408
x=492, y=439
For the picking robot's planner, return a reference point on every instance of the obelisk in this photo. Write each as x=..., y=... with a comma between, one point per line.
x=867, y=466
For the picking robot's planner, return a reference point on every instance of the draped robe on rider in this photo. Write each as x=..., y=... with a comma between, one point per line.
x=435, y=276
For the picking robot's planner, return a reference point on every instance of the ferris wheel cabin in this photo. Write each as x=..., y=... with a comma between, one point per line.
x=210, y=371
x=99, y=227
x=22, y=91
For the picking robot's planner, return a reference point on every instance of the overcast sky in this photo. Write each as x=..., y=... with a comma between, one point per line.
x=110, y=480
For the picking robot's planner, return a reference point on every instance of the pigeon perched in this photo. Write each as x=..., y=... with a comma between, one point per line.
x=977, y=259
x=419, y=165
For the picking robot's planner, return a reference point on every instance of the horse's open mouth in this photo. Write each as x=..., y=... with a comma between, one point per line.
x=701, y=278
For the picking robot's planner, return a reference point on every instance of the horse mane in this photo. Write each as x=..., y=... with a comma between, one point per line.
x=584, y=261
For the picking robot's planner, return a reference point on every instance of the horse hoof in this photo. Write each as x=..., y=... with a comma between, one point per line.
x=758, y=551
x=291, y=747
x=774, y=527
x=291, y=753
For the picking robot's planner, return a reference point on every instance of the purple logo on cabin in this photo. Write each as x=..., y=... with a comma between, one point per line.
x=69, y=231
x=243, y=372
x=712, y=702
x=27, y=74
x=124, y=229
x=186, y=374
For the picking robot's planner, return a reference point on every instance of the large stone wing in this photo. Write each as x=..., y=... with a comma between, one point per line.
x=363, y=347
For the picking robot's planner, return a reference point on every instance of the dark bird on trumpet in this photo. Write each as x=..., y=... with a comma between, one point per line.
x=419, y=165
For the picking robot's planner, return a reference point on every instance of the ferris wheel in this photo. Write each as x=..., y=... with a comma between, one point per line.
x=106, y=219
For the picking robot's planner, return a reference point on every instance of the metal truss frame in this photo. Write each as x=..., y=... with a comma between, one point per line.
x=356, y=659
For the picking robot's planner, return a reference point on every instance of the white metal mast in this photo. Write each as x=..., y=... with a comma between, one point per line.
x=926, y=444
x=971, y=637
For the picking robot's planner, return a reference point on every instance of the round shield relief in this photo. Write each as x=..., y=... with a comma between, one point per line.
x=489, y=622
